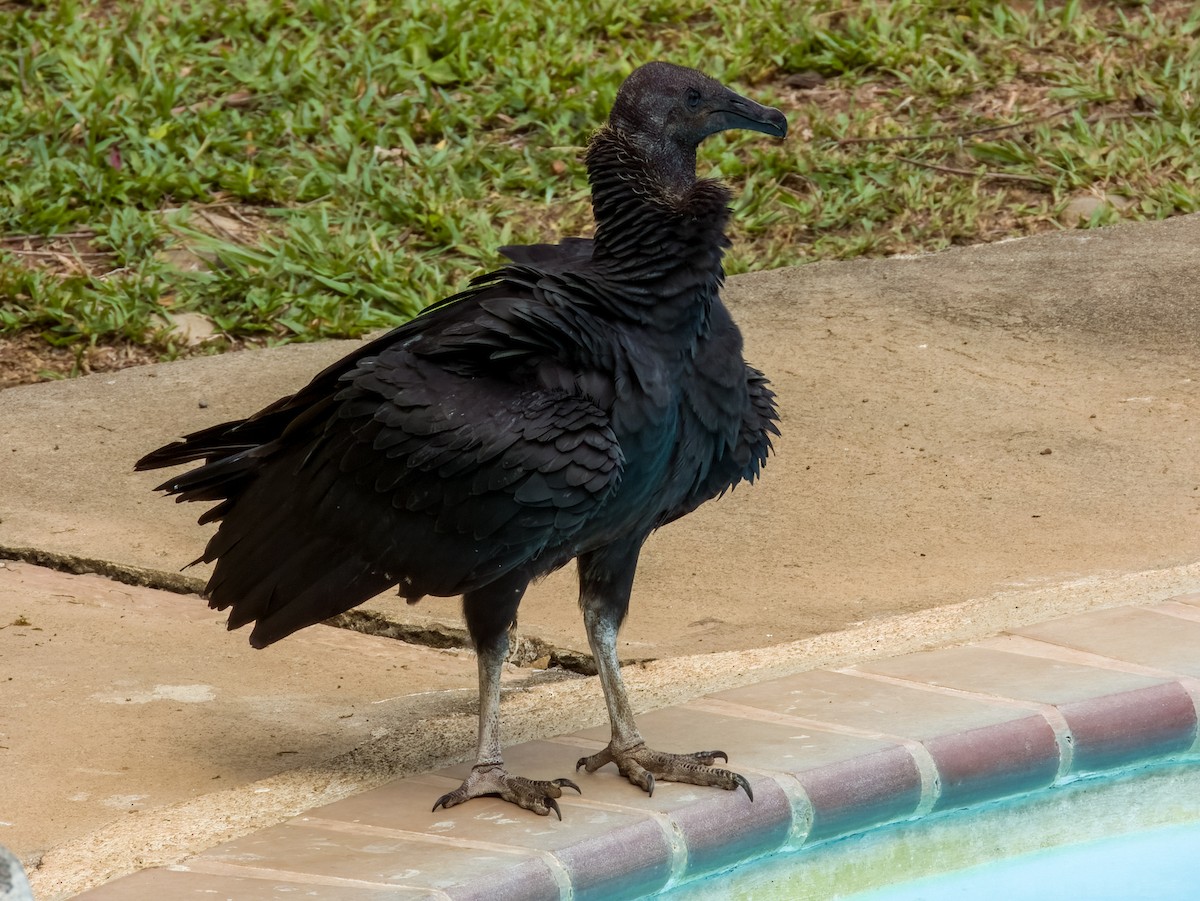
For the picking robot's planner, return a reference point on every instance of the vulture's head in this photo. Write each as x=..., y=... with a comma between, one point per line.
x=667, y=110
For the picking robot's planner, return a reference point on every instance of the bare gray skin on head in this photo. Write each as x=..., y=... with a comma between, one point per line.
x=667, y=110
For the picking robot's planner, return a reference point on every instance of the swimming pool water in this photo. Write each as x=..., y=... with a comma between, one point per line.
x=1156, y=865
x=1132, y=836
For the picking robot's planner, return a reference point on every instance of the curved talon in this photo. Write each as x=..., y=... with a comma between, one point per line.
x=579, y=763
x=744, y=783
x=650, y=784
x=567, y=783
x=715, y=754
x=553, y=805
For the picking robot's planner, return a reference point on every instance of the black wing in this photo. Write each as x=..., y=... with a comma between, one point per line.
x=394, y=466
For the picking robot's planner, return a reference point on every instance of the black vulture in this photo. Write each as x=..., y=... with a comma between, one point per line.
x=562, y=407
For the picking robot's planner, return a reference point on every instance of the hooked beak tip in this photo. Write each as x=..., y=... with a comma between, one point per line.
x=778, y=124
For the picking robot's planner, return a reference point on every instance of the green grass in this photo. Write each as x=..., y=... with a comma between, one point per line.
x=338, y=164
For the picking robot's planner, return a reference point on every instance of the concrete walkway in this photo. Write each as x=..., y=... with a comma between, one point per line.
x=912, y=504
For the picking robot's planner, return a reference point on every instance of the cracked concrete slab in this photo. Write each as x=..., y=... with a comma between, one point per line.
x=121, y=700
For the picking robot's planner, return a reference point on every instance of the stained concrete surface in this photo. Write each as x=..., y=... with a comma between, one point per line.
x=953, y=424
x=118, y=699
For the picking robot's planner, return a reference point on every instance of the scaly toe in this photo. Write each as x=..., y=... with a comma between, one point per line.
x=642, y=766
x=535, y=795
x=595, y=761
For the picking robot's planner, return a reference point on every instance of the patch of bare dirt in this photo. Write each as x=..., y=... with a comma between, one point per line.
x=26, y=358
x=64, y=255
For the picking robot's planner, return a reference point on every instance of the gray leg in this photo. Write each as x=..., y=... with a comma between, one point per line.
x=605, y=583
x=491, y=663
x=489, y=617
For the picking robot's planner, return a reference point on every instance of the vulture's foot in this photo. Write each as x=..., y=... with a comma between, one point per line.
x=494, y=779
x=641, y=766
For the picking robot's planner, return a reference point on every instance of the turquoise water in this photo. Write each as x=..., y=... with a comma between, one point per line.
x=1131, y=836
x=1156, y=865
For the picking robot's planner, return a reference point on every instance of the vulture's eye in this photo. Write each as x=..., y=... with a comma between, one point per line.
x=693, y=98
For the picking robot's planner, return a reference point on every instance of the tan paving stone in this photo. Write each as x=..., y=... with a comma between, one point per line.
x=1006, y=675
x=182, y=884
x=1132, y=634
x=871, y=706
x=306, y=850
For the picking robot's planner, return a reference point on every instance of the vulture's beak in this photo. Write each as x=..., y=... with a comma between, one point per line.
x=736, y=111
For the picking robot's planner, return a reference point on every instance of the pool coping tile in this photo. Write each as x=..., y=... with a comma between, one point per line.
x=1131, y=727
x=1104, y=718
x=882, y=787
x=994, y=762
